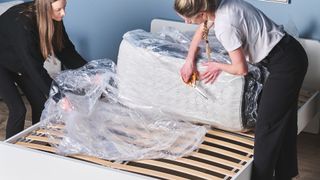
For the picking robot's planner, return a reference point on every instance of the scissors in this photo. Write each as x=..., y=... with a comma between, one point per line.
x=192, y=83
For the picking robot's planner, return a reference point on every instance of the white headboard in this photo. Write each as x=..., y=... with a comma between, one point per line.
x=312, y=47
x=312, y=79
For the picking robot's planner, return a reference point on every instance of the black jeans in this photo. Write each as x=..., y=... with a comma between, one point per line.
x=275, y=149
x=11, y=96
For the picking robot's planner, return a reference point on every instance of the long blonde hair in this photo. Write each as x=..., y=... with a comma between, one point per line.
x=50, y=31
x=190, y=8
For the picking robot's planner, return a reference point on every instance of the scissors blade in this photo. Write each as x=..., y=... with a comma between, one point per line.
x=201, y=93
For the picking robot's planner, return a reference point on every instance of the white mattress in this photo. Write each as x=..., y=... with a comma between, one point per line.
x=150, y=79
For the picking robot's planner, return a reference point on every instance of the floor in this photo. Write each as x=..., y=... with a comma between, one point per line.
x=308, y=147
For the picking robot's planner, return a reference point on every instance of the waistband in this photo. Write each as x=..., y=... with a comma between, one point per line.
x=277, y=48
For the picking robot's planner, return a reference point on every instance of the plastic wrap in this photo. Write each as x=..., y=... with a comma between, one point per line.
x=95, y=122
x=152, y=79
x=82, y=92
x=174, y=43
x=171, y=43
x=156, y=43
x=253, y=87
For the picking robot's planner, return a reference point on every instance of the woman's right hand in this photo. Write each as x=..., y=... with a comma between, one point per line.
x=187, y=70
x=65, y=104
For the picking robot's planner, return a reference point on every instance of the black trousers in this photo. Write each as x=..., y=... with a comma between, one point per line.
x=11, y=96
x=275, y=150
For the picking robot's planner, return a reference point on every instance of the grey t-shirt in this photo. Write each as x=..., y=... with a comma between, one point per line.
x=239, y=24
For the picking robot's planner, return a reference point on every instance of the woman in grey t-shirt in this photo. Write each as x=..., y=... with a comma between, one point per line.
x=249, y=36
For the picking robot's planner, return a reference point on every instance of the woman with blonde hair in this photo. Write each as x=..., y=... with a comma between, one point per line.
x=250, y=36
x=33, y=40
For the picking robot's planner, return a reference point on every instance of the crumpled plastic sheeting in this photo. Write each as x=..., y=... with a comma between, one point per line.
x=174, y=43
x=82, y=87
x=254, y=81
x=86, y=103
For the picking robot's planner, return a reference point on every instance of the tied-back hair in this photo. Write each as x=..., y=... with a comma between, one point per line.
x=190, y=8
x=50, y=31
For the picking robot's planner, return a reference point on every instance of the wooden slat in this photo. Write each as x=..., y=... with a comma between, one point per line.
x=50, y=132
x=216, y=160
x=249, y=134
x=230, y=136
x=56, y=126
x=37, y=147
x=42, y=139
x=206, y=166
x=225, y=152
x=229, y=145
x=179, y=168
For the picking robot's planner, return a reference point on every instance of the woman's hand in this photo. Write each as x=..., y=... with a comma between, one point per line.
x=187, y=70
x=211, y=73
x=65, y=104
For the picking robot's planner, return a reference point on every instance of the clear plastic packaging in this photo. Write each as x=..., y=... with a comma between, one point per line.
x=173, y=43
x=253, y=87
x=151, y=79
x=84, y=115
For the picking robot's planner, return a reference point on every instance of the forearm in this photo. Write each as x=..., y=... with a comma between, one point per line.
x=238, y=64
x=236, y=69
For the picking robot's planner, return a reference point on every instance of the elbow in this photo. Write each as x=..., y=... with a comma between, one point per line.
x=242, y=71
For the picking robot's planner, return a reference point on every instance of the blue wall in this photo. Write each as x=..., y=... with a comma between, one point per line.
x=304, y=14
x=96, y=26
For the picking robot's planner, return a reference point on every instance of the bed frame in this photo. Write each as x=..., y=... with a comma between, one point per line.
x=223, y=155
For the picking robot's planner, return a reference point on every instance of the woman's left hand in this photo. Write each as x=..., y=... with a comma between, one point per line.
x=211, y=73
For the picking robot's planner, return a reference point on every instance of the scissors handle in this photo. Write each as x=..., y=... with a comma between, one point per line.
x=193, y=80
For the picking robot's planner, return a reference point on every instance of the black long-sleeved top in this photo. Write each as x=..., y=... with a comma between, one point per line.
x=20, y=47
